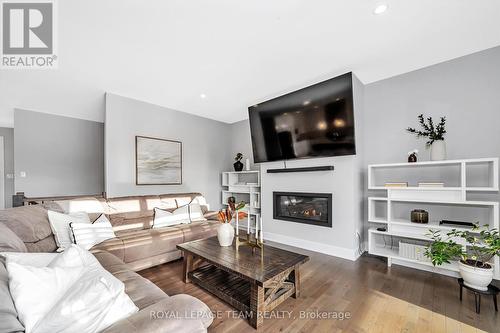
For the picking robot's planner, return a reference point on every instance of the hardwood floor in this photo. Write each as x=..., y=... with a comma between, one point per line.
x=376, y=299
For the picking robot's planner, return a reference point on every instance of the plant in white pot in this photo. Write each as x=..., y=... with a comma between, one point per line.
x=482, y=244
x=435, y=135
x=225, y=231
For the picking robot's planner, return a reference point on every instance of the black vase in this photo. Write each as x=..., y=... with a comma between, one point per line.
x=238, y=166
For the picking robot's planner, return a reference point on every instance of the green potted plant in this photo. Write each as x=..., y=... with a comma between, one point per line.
x=482, y=244
x=238, y=166
x=434, y=134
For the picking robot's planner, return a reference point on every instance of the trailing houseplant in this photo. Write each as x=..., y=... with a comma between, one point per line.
x=483, y=243
x=434, y=134
x=238, y=166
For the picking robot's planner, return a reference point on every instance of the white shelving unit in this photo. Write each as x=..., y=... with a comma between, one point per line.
x=392, y=211
x=244, y=186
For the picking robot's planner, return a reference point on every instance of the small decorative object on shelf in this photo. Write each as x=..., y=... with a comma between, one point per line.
x=483, y=244
x=419, y=216
x=238, y=166
x=401, y=184
x=457, y=223
x=435, y=135
x=412, y=156
x=247, y=164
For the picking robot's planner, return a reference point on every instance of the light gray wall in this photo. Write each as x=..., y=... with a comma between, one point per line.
x=241, y=141
x=465, y=90
x=8, y=142
x=205, y=148
x=60, y=155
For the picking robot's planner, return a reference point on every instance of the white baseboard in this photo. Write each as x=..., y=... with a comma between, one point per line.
x=335, y=251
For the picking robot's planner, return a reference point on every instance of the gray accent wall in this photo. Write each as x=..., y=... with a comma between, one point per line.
x=241, y=141
x=465, y=90
x=205, y=148
x=60, y=155
x=8, y=142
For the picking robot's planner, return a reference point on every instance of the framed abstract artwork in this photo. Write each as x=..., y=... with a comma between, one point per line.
x=157, y=161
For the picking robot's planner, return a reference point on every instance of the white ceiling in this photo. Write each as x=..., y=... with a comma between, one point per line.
x=237, y=52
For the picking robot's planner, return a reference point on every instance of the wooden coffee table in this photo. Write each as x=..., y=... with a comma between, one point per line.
x=252, y=282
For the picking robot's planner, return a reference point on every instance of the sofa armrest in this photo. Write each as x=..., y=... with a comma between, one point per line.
x=180, y=313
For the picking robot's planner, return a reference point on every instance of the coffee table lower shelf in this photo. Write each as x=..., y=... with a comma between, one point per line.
x=227, y=286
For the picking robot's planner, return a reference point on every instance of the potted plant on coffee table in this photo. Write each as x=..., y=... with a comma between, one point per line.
x=225, y=231
x=482, y=244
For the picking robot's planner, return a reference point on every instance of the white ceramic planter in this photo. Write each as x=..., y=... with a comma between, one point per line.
x=438, y=150
x=475, y=277
x=225, y=234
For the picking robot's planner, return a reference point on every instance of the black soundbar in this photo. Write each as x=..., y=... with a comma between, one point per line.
x=306, y=169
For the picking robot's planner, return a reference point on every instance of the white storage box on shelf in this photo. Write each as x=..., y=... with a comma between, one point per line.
x=447, y=200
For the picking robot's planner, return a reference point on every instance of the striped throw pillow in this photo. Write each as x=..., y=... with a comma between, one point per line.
x=87, y=235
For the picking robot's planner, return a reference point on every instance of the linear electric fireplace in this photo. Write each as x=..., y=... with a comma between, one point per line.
x=309, y=208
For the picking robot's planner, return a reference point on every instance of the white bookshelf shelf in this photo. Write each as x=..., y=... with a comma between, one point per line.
x=448, y=202
x=244, y=186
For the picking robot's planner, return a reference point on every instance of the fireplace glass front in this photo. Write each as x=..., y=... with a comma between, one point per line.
x=309, y=208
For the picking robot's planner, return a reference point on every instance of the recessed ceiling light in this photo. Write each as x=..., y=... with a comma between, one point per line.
x=307, y=102
x=380, y=9
x=203, y=96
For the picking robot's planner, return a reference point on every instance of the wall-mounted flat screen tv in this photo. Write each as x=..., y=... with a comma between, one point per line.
x=316, y=121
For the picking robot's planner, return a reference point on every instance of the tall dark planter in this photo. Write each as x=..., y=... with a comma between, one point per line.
x=238, y=166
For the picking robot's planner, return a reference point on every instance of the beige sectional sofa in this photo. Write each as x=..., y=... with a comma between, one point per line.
x=137, y=246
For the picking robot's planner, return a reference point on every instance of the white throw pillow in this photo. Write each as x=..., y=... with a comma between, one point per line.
x=74, y=293
x=121, y=306
x=59, y=223
x=164, y=218
x=35, y=259
x=87, y=235
x=35, y=290
x=196, y=213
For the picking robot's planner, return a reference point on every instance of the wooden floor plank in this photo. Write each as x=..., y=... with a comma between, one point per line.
x=379, y=299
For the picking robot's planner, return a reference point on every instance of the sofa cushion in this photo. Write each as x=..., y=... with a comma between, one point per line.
x=130, y=213
x=94, y=207
x=140, y=290
x=192, y=315
x=198, y=230
x=114, y=246
x=29, y=223
x=8, y=314
x=9, y=242
x=147, y=243
x=47, y=244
